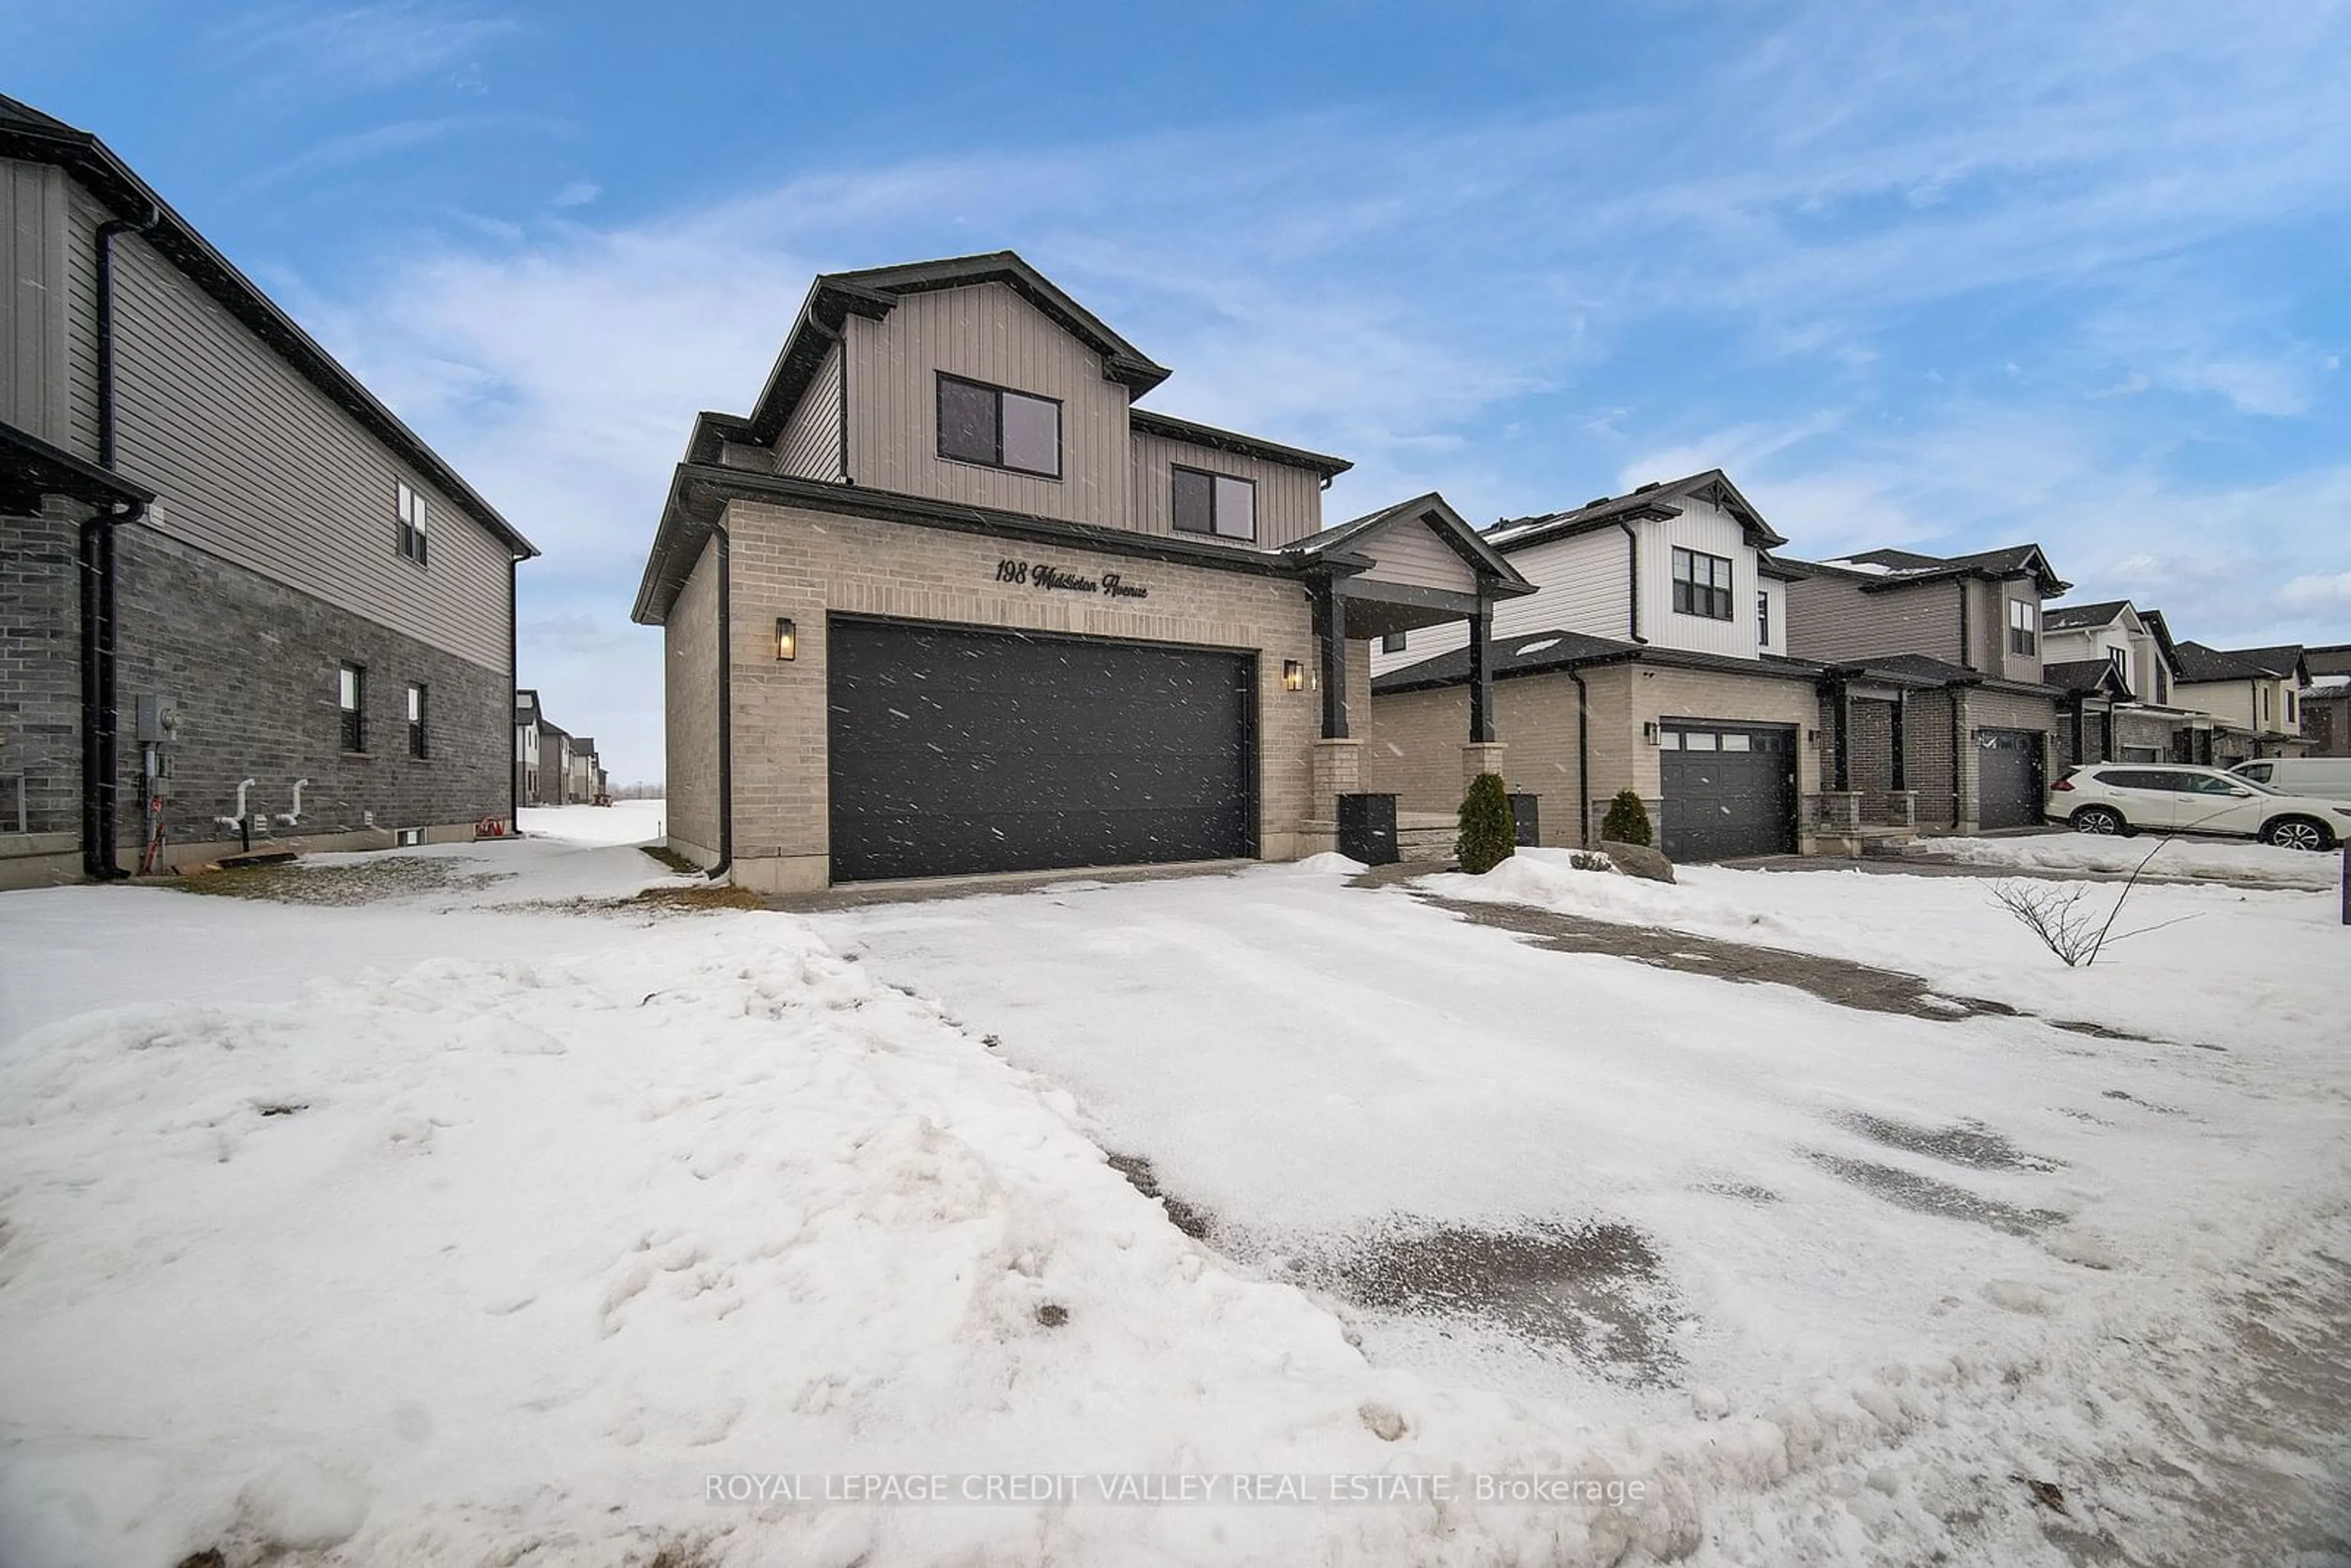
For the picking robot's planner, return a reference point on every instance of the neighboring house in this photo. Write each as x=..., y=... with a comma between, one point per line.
x=1651, y=658
x=945, y=601
x=1935, y=709
x=586, y=779
x=526, y=752
x=2327, y=701
x=246, y=600
x=555, y=765
x=2255, y=694
x=2117, y=668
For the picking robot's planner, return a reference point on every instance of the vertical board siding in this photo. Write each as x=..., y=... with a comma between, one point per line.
x=985, y=332
x=1776, y=591
x=1410, y=552
x=34, y=369
x=1832, y=620
x=255, y=466
x=1707, y=528
x=1288, y=500
x=811, y=446
x=82, y=217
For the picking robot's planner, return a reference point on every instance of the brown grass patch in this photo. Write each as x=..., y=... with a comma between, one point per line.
x=710, y=895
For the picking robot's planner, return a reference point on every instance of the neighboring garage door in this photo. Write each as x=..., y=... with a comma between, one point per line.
x=959, y=750
x=1730, y=789
x=2008, y=791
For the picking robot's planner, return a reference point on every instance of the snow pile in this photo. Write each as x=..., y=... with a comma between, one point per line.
x=2205, y=860
x=621, y=823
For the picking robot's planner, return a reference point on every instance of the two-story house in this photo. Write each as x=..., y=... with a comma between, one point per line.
x=1933, y=705
x=2253, y=695
x=947, y=602
x=527, y=719
x=2117, y=667
x=2327, y=701
x=248, y=601
x=1653, y=657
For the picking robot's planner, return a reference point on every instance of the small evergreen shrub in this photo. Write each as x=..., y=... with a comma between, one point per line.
x=1489, y=836
x=1627, y=821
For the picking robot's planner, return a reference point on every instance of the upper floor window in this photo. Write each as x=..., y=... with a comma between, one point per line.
x=2023, y=626
x=2264, y=690
x=1215, y=504
x=2289, y=708
x=1762, y=620
x=981, y=424
x=1702, y=585
x=2162, y=683
x=412, y=509
x=1393, y=643
x=2120, y=659
x=350, y=695
x=416, y=720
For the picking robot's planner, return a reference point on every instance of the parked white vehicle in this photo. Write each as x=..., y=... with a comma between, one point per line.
x=2328, y=778
x=2130, y=797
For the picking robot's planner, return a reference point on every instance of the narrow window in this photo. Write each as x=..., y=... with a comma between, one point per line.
x=2023, y=628
x=1393, y=643
x=352, y=693
x=2265, y=701
x=416, y=720
x=1215, y=504
x=410, y=508
x=2289, y=708
x=1762, y=620
x=1702, y=585
x=997, y=428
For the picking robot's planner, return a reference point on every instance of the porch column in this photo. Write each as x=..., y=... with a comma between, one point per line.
x=1901, y=739
x=1481, y=676
x=1330, y=628
x=1842, y=769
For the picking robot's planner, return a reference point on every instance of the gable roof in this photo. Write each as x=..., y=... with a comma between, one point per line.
x=26, y=133
x=2328, y=659
x=1432, y=511
x=1655, y=499
x=2199, y=663
x=2084, y=678
x=2082, y=617
x=874, y=291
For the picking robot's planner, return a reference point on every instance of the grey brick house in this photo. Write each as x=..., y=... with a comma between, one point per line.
x=1934, y=710
x=947, y=601
x=241, y=598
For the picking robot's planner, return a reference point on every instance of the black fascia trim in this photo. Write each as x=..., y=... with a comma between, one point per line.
x=698, y=493
x=1169, y=427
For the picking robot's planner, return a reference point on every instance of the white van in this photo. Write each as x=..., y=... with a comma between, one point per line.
x=2328, y=778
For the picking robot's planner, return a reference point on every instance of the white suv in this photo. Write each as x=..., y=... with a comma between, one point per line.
x=2131, y=796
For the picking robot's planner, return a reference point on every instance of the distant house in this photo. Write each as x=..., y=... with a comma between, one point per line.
x=1653, y=657
x=1935, y=709
x=2327, y=701
x=2255, y=694
x=245, y=600
x=587, y=779
x=2119, y=671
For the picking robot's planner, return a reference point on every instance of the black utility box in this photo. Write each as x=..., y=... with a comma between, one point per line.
x=1530, y=827
x=1367, y=830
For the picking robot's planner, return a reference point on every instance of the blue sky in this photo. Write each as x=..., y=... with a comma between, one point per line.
x=1940, y=275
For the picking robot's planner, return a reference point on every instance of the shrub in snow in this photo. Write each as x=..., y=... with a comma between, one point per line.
x=1489, y=836
x=1627, y=821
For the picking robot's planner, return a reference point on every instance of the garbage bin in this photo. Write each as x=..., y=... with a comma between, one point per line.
x=1367, y=829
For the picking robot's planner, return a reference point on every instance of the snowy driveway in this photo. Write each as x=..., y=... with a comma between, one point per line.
x=1728, y=1193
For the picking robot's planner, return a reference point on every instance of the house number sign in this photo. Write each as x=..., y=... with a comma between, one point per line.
x=1051, y=578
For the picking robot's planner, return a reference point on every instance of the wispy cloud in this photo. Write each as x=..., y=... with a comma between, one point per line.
x=317, y=49
x=1809, y=267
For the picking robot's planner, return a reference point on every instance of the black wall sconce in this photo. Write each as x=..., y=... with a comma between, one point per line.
x=787, y=639
x=1293, y=675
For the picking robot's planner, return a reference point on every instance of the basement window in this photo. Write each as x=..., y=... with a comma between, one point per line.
x=999, y=428
x=410, y=508
x=1393, y=643
x=1702, y=585
x=407, y=837
x=1215, y=504
x=350, y=695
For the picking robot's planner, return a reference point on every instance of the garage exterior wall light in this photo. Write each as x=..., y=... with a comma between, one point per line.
x=788, y=641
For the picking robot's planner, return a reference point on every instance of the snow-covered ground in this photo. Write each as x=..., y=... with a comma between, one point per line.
x=478, y=1223
x=2210, y=860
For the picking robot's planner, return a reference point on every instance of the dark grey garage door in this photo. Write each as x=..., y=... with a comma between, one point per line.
x=1730, y=789
x=2008, y=778
x=956, y=751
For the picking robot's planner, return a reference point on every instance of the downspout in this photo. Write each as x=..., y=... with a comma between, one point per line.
x=1958, y=760
x=1632, y=580
x=514, y=673
x=1582, y=759
x=101, y=716
x=1967, y=632
x=725, y=707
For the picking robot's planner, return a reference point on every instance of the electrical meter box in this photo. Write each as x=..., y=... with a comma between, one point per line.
x=159, y=719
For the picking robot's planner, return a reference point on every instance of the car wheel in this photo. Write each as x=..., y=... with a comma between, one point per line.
x=2298, y=833
x=2098, y=820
